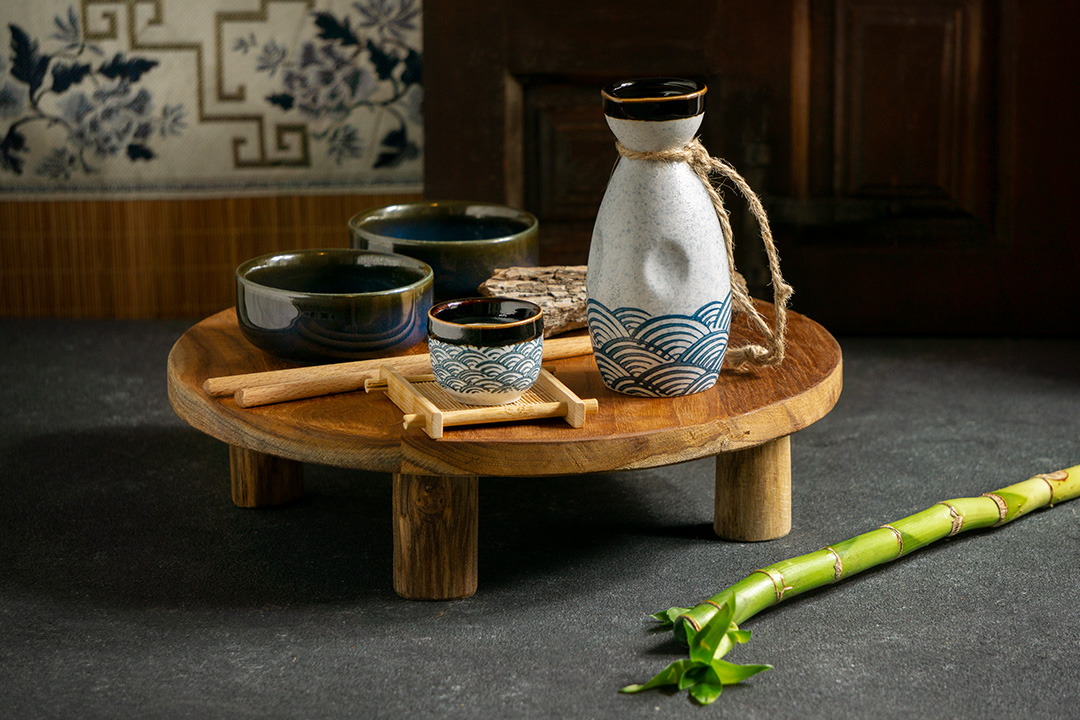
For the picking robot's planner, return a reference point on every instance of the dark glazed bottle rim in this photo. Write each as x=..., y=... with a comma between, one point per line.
x=657, y=98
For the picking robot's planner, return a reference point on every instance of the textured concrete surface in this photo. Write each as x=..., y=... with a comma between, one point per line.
x=131, y=587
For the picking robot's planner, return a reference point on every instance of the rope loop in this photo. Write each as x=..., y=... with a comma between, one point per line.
x=706, y=166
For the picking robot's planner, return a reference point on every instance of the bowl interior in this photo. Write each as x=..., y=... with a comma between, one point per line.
x=335, y=273
x=444, y=222
x=448, y=228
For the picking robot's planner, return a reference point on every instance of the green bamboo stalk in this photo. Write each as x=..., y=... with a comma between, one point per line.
x=711, y=628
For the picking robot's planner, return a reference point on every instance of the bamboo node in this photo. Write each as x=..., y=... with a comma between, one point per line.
x=838, y=566
x=957, y=519
x=692, y=621
x=1002, y=506
x=1050, y=479
x=1050, y=485
x=899, y=539
x=777, y=580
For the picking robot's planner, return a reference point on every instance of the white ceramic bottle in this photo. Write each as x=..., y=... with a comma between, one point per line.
x=658, y=284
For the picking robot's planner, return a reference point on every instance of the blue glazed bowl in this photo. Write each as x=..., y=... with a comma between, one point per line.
x=463, y=242
x=486, y=351
x=333, y=305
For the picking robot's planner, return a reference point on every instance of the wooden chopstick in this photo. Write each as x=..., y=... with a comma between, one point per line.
x=274, y=386
x=334, y=381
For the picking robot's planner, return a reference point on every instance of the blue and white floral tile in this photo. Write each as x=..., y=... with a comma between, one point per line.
x=172, y=97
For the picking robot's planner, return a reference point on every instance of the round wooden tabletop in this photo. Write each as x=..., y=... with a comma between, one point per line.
x=361, y=430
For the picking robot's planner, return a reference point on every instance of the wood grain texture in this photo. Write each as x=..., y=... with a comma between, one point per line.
x=365, y=431
x=753, y=492
x=435, y=536
x=261, y=480
x=154, y=258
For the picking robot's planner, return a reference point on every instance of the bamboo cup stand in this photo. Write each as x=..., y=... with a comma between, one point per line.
x=745, y=421
x=426, y=405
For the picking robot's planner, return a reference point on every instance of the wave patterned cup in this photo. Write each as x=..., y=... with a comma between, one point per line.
x=486, y=351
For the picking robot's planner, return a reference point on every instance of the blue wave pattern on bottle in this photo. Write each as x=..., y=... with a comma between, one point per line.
x=663, y=356
x=469, y=369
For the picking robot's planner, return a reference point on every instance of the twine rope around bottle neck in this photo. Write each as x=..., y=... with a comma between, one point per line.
x=705, y=166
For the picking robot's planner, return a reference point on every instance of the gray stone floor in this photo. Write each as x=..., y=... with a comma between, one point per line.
x=131, y=587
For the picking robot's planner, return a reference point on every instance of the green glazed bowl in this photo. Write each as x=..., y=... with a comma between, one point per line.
x=463, y=242
x=333, y=305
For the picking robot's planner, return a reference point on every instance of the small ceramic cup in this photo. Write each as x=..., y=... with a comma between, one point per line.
x=485, y=350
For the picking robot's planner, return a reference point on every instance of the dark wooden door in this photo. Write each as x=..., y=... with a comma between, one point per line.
x=918, y=157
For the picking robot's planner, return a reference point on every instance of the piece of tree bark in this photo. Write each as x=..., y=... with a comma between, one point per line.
x=559, y=290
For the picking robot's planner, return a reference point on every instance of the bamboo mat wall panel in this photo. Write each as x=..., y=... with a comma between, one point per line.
x=154, y=258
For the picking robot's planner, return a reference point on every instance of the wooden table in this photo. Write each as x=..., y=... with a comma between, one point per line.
x=745, y=421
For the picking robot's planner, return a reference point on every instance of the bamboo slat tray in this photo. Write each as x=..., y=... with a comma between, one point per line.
x=745, y=421
x=426, y=405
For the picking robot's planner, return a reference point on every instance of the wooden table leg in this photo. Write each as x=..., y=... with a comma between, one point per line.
x=753, y=492
x=259, y=479
x=435, y=536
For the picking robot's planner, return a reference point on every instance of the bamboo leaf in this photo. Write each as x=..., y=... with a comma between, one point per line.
x=667, y=617
x=729, y=673
x=706, y=693
x=693, y=675
x=734, y=636
x=708, y=644
x=668, y=676
x=739, y=636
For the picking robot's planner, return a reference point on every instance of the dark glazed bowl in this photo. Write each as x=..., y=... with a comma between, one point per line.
x=333, y=305
x=463, y=242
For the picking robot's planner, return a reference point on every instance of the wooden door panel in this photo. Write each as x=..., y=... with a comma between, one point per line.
x=913, y=154
x=568, y=156
x=569, y=146
x=908, y=98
